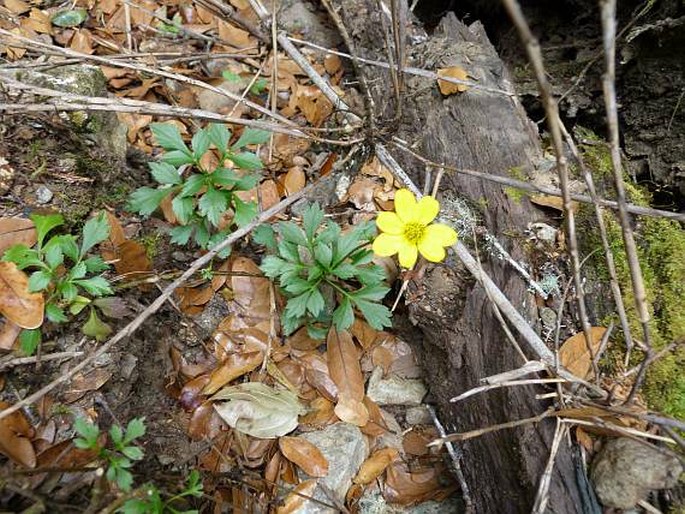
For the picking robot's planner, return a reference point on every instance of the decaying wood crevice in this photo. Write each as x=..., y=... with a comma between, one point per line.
x=461, y=337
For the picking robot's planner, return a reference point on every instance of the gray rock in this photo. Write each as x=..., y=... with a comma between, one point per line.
x=43, y=195
x=215, y=102
x=346, y=448
x=374, y=503
x=625, y=471
x=395, y=390
x=418, y=416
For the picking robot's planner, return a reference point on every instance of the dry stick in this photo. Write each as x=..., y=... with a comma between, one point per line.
x=534, y=188
x=551, y=109
x=490, y=387
x=146, y=69
x=19, y=361
x=608, y=12
x=154, y=306
x=542, y=496
x=626, y=431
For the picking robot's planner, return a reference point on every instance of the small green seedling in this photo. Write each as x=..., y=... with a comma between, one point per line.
x=153, y=503
x=325, y=274
x=120, y=458
x=201, y=197
x=65, y=274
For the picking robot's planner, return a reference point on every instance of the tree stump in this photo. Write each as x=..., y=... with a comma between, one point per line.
x=462, y=341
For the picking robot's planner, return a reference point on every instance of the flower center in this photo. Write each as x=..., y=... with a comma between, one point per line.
x=414, y=232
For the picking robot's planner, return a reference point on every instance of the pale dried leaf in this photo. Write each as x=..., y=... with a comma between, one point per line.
x=574, y=354
x=16, y=303
x=303, y=453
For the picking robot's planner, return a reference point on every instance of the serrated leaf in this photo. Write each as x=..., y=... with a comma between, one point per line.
x=39, y=280
x=53, y=254
x=117, y=435
x=245, y=212
x=97, y=286
x=79, y=303
x=292, y=233
x=95, y=264
x=251, y=136
x=329, y=234
x=264, y=235
x=78, y=271
x=55, y=314
x=168, y=137
x=370, y=275
x=296, y=285
x=272, y=266
x=377, y=315
x=95, y=231
x=201, y=235
x=183, y=208
x=44, y=224
x=290, y=323
x=213, y=204
x=165, y=173
x=181, y=234
x=345, y=271
x=343, y=315
x=246, y=161
x=95, y=327
x=29, y=340
x=288, y=251
x=69, y=246
x=135, y=429
x=177, y=158
x=372, y=293
x=68, y=291
x=133, y=452
x=312, y=219
x=193, y=184
x=22, y=256
x=219, y=135
x=146, y=200
x=246, y=182
x=88, y=431
x=200, y=144
x=224, y=177
x=323, y=255
x=297, y=306
x=315, y=303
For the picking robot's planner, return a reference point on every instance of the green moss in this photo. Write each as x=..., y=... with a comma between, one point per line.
x=151, y=243
x=661, y=250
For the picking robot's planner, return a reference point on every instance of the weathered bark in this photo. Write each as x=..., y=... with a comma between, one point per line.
x=462, y=340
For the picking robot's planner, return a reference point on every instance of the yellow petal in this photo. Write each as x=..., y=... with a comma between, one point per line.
x=408, y=255
x=386, y=245
x=427, y=209
x=439, y=234
x=405, y=205
x=431, y=251
x=389, y=222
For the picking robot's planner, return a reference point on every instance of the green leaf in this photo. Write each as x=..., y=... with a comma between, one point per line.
x=343, y=315
x=168, y=137
x=53, y=254
x=296, y=285
x=246, y=161
x=245, y=212
x=314, y=272
x=291, y=232
x=259, y=86
x=329, y=234
x=165, y=173
x=39, y=280
x=79, y=303
x=231, y=76
x=97, y=286
x=183, y=208
x=68, y=245
x=213, y=205
x=272, y=266
x=95, y=327
x=264, y=235
x=181, y=234
x=246, y=182
x=69, y=18
x=117, y=435
x=29, y=340
x=201, y=235
x=323, y=255
x=68, y=291
x=370, y=275
x=193, y=184
x=297, y=306
x=177, y=158
x=224, y=177
x=316, y=303
x=311, y=220
x=88, y=431
x=361, y=256
x=194, y=487
x=55, y=314
x=146, y=200
x=124, y=479
x=135, y=429
x=133, y=452
x=45, y=224
x=95, y=264
x=200, y=144
x=290, y=323
x=78, y=271
x=95, y=231
x=219, y=135
x=251, y=136
x=377, y=315
x=136, y=506
x=22, y=256
x=373, y=293
x=344, y=271
x=289, y=251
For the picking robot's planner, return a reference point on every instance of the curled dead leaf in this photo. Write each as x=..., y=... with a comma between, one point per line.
x=15, y=433
x=375, y=465
x=297, y=498
x=575, y=355
x=16, y=303
x=453, y=72
x=303, y=453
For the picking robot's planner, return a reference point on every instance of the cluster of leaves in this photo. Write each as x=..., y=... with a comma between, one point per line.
x=64, y=274
x=325, y=274
x=119, y=458
x=201, y=197
x=153, y=503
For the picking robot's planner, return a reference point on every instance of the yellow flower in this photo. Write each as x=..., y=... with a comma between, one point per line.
x=408, y=230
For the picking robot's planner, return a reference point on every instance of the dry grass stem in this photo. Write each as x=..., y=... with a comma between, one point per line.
x=542, y=496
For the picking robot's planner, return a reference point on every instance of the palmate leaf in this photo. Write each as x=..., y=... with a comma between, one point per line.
x=251, y=136
x=247, y=161
x=213, y=204
x=245, y=212
x=311, y=220
x=377, y=315
x=219, y=135
x=168, y=137
x=45, y=224
x=146, y=200
x=95, y=231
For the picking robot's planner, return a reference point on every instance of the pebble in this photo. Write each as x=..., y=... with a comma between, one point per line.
x=395, y=390
x=418, y=416
x=43, y=195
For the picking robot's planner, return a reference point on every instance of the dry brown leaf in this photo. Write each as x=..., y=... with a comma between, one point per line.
x=192, y=391
x=297, y=498
x=415, y=442
x=317, y=374
x=553, y=202
x=251, y=290
x=294, y=180
x=8, y=334
x=268, y=192
x=363, y=332
x=332, y=64
x=82, y=383
x=584, y=439
x=16, y=231
x=346, y=373
x=37, y=21
x=404, y=487
x=236, y=365
x=301, y=340
x=82, y=41
x=17, y=6
x=233, y=35
x=16, y=303
x=220, y=275
x=453, y=72
x=15, y=433
x=320, y=413
x=303, y=453
x=375, y=465
x=312, y=103
x=376, y=424
x=574, y=354
x=116, y=231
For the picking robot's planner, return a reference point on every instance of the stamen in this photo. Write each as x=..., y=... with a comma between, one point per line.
x=414, y=232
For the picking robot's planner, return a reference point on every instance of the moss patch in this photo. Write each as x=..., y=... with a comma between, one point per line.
x=661, y=249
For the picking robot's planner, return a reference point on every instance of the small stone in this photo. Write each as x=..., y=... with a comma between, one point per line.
x=6, y=176
x=345, y=448
x=418, y=416
x=625, y=471
x=395, y=390
x=548, y=318
x=543, y=232
x=43, y=195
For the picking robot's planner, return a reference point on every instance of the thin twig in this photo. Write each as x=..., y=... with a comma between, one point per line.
x=490, y=387
x=20, y=361
x=542, y=496
x=161, y=299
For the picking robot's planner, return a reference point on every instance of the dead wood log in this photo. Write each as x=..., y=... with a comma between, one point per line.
x=461, y=337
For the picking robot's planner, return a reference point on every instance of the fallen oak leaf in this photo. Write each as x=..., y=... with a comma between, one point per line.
x=15, y=432
x=16, y=231
x=375, y=465
x=16, y=302
x=303, y=453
